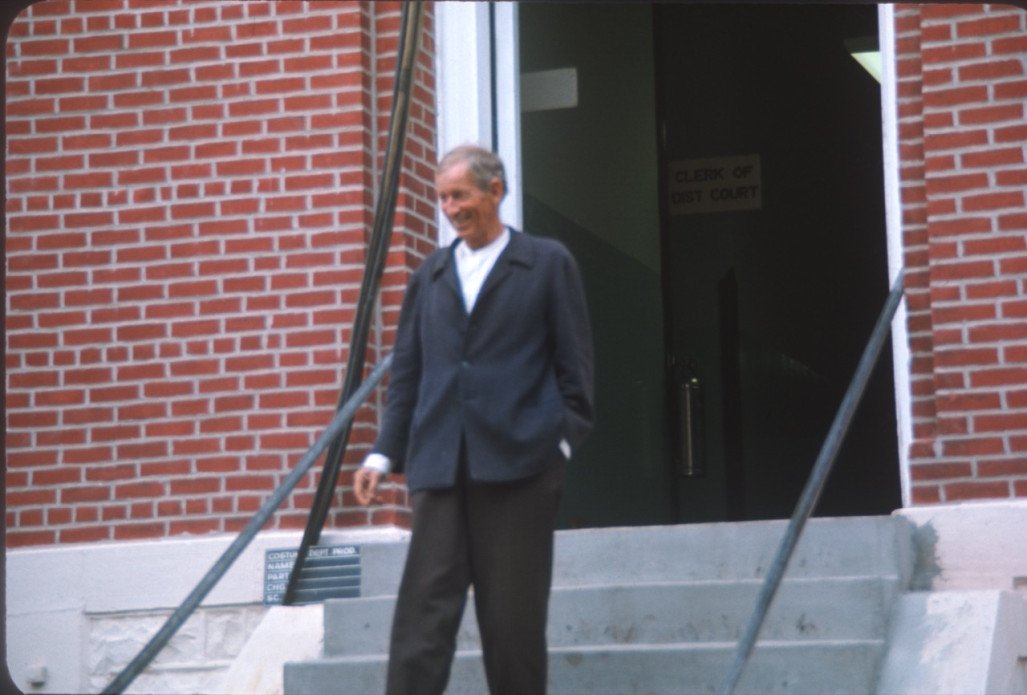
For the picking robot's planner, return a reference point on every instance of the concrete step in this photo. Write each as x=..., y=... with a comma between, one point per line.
x=804, y=609
x=845, y=547
x=776, y=668
x=657, y=610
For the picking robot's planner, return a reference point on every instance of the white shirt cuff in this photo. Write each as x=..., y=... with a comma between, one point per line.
x=379, y=462
x=382, y=463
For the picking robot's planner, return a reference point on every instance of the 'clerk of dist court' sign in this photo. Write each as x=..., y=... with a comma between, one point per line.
x=722, y=184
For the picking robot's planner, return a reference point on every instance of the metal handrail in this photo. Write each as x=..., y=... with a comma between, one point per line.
x=377, y=253
x=341, y=419
x=814, y=485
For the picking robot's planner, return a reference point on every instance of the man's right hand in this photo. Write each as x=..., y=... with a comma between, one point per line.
x=365, y=485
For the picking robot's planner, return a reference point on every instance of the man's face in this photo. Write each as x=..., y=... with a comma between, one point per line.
x=474, y=213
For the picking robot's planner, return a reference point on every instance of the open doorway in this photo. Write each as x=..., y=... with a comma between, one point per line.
x=766, y=295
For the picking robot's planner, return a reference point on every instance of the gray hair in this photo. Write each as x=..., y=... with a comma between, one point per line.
x=484, y=165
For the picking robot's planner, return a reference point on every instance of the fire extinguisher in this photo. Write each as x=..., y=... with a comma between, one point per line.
x=691, y=420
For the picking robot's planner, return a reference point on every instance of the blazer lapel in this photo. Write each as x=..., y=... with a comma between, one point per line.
x=517, y=253
x=446, y=272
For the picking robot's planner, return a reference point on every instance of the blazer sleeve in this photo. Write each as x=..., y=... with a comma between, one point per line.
x=404, y=379
x=573, y=353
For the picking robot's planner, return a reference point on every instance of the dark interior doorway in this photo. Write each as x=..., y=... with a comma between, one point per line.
x=769, y=298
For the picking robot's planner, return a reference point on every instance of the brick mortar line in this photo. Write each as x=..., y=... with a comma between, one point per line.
x=299, y=430
x=967, y=345
x=216, y=199
x=227, y=102
x=170, y=63
x=948, y=460
x=1000, y=410
x=165, y=89
x=978, y=236
x=983, y=148
x=935, y=177
x=988, y=39
x=961, y=239
x=340, y=9
x=970, y=325
x=1001, y=390
x=195, y=380
x=168, y=141
x=194, y=275
x=991, y=126
x=959, y=83
x=975, y=477
x=251, y=234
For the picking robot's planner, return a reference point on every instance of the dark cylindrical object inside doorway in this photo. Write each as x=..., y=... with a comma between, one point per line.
x=691, y=453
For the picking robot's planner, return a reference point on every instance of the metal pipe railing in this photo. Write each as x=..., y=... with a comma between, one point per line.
x=378, y=249
x=341, y=419
x=814, y=485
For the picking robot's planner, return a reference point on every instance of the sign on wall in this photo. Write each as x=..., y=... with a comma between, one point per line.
x=719, y=184
x=329, y=572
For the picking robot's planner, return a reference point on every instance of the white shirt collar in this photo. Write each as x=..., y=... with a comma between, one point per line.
x=474, y=265
x=495, y=246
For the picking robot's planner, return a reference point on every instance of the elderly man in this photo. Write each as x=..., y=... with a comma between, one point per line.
x=490, y=392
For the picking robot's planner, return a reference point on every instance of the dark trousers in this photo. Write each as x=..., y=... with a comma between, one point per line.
x=498, y=538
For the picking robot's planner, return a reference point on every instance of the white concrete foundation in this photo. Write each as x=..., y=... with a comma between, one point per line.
x=975, y=545
x=964, y=629
x=287, y=633
x=76, y=615
x=956, y=643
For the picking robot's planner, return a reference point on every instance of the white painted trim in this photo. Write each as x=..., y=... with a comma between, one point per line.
x=893, y=222
x=508, y=107
x=464, y=91
x=463, y=83
x=462, y=74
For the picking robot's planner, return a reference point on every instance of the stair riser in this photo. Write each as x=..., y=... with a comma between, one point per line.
x=731, y=551
x=850, y=547
x=824, y=669
x=807, y=610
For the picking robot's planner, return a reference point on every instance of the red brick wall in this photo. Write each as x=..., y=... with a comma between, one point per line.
x=962, y=94
x=189, y=191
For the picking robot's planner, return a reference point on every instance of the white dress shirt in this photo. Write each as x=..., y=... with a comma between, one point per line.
x=474, y=265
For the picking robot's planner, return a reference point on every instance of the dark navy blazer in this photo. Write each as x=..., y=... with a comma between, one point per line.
x=512, y=379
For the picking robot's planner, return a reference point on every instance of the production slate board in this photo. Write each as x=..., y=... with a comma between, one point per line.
x=331, y=571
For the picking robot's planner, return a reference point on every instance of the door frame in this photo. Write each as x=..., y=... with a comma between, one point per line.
x=478, y=100
x=893, y=221
x=478, y=96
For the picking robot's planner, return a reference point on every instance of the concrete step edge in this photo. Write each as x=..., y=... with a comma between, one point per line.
x=762, y=647
x=699, y=583
x=602, y=615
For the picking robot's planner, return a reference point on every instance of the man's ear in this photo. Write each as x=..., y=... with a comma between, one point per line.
x=496, y=189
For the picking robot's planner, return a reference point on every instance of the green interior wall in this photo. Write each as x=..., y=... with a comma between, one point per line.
x=590, y=179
